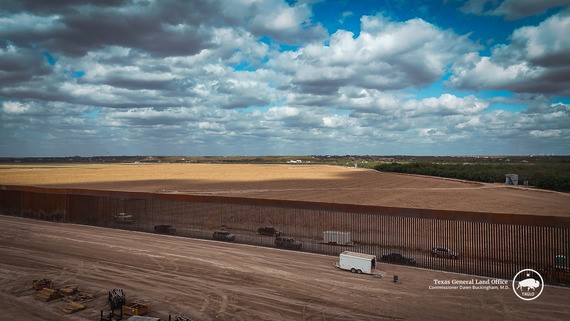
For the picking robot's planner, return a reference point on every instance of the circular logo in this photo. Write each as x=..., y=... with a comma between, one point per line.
x=528, y=284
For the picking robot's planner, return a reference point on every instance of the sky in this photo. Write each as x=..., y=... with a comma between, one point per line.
x=276, y=77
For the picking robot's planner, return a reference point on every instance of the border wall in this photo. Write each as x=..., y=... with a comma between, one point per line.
x=489, y=244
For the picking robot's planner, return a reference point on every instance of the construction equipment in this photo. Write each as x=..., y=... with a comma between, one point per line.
x=135, y=309
x=81, y=296
x=71, y=307
x=41, y=284
x=139, y=318
x=116, y=300
x=47, y=295
x=68, y=290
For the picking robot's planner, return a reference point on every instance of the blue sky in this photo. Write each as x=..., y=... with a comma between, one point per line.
x=275, y=77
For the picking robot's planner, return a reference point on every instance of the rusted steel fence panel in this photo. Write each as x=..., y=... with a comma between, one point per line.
x=38, y=205
x=11, y=201
x=488, y=244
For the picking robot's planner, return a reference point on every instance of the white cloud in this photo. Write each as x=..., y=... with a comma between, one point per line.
x=546, y=133
x=535, y=61
x=274, y=18
x=29, y=21
x=209, y=77
x=547, y=44
x=345, y=15
x=477, y=72
x=14, y=107
x=211, y=126
x=446, y=104
x=279, y=113
x=340, y=121
x=386, y=55
x=511, y=9
x=372, y=101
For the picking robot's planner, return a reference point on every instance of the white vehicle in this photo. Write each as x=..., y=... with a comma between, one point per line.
x=356, y=262
x=336, y=237
x=124, y=218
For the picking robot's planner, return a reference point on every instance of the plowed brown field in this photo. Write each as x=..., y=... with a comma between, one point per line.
x=297, y=182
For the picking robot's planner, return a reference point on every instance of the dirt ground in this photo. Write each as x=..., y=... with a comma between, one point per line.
x=296, y=182
x=207, y=280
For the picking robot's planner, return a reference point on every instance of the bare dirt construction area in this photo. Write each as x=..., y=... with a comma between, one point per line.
x=322, y=183
x=208, y=280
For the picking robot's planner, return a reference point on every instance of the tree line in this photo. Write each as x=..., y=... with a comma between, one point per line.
x=551, y=175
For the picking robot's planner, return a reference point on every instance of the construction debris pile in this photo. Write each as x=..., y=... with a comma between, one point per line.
x=69, y=299
x=73, y=299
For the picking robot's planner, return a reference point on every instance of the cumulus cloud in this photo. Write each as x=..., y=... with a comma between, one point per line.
x=535, y=61
x=546, y=133
x=546, y=45
x=289, y=25
x=511, y=9
x=427, y=122
x=252, y=76
x=385, y=55
x=21, y=64
x=377, y=102
x=159, y=28
x=14, y=107
x=78, y=28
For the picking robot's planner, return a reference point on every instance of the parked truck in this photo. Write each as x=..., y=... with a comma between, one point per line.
x=269, y=231
x=164, y=229
x=356, y=262
x=124, y=218
x=223, y=235
x=286, y=242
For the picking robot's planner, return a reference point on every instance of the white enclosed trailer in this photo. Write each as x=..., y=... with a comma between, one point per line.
x=356, y=262
x=336, y=237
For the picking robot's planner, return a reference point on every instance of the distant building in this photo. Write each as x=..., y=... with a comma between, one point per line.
x=150, y=159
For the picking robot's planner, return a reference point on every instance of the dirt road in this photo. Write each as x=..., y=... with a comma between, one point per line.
x=207, y=280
